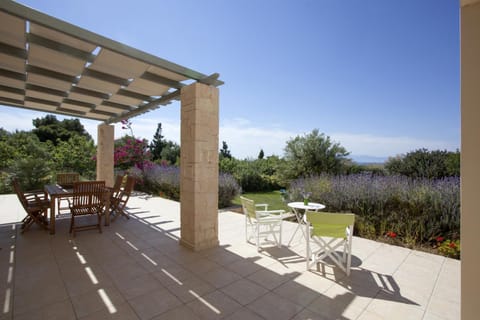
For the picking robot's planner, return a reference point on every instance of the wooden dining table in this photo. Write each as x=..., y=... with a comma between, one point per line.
x=56, y=191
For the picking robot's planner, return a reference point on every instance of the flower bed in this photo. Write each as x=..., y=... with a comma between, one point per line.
x=410, y=212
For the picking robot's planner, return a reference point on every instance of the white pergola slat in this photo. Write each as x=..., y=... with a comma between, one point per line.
x=50, y=65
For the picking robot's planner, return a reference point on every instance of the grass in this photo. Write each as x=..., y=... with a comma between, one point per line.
x=272, y=198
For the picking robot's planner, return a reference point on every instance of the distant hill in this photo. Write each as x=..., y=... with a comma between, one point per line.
x=364, y=159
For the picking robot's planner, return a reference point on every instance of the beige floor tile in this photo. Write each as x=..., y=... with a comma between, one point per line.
x=133, y=287
x=341, y=301
x=154, y=303
x=201, y=266
x=37, y=295
x=306, y=314
x=244, y=267
x=369, y=315
x=188, y=289
x=386, y=259
x=273, y=306
x=102, y=299
x=182, y=312
x=390, y=308
x=446, y=309
x=215, y=305
x=244, y=291
x=222, y=257
x=296, y=293
x=268, y=279
x=130, y=270
x=60, y=310
x=172, y=275
x=244, y=314
x=122, y=312
x=432, y=316
x=220, y=277
x=385, y=282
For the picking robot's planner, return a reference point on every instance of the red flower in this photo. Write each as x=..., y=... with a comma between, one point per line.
x=439, y=239
x=452, y=245
x=391, y=234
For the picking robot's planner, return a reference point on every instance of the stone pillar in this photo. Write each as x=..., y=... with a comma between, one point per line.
x=199, y=167
x=105, y=144
x=470, y=158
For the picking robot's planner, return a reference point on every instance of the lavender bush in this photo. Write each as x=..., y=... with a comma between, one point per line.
x=417, y=210
x=164, y=180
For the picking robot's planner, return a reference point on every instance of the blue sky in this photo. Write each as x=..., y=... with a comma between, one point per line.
x=380, y=77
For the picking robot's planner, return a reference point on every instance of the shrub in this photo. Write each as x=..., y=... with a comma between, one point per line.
x=228, y=189
x=422, y=163
x=164, y=180
x=416, y=210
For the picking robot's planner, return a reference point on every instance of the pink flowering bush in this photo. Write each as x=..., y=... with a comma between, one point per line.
x=130, y=152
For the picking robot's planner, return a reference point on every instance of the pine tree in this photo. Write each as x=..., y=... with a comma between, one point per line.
x=157, y=144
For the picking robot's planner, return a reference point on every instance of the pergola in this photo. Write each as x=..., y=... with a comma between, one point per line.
x=49, y=65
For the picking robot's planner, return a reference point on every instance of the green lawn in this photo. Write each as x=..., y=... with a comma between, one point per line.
x=273, y=199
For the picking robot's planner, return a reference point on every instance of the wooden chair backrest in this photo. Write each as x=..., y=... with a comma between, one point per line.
x=89, y=193
x=67, y=179
x=118, y=184
x=19, y=192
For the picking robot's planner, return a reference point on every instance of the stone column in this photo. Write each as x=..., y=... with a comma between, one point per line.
x=470, y=157
x=105, y=142
x=199, y=167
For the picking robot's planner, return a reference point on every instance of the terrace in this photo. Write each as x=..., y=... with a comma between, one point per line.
x=136, y=269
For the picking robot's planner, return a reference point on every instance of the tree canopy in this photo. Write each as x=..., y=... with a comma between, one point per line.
x=313, y=154
x=51, y=129
x=423, y=163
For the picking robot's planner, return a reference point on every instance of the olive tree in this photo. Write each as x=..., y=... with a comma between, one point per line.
x=313, y=154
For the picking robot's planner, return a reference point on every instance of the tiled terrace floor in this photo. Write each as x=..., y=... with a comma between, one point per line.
x=136, y=269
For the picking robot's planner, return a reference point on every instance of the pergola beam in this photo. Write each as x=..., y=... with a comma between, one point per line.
x=85, y=35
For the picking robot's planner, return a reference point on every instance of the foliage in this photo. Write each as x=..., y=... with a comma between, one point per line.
x=274, y=199
x=164, y=180
x=225, y=152
x=171, y=152
x=157, y=144
x=261, y=154
x=31, y=173
x=25, y=157
x=313, y=154
x=416, y=210
x=131, y=152
x=422, y=163
x=253, y=175
x=228, y=189
x=76, y=155
x=35, y=162
x=449, y=248
x=51, y=129
x=164, y=150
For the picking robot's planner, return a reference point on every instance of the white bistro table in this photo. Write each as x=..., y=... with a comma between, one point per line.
x=299, y=209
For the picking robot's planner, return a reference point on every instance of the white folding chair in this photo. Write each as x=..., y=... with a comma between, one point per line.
x=262, y=222
x=329, y=231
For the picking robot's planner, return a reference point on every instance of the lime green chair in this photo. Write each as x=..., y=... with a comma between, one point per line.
x=327, y=232
x=259, y=221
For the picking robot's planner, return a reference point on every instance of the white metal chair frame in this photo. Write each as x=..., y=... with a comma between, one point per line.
x=262, y=222
x=330, y=231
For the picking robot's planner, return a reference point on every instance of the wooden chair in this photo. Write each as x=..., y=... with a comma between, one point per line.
x=119, y=201
x=36, y=205
x=66, y=180
x=115, y=191
x=89, y=198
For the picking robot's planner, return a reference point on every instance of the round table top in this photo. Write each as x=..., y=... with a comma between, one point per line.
x=310, y=206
